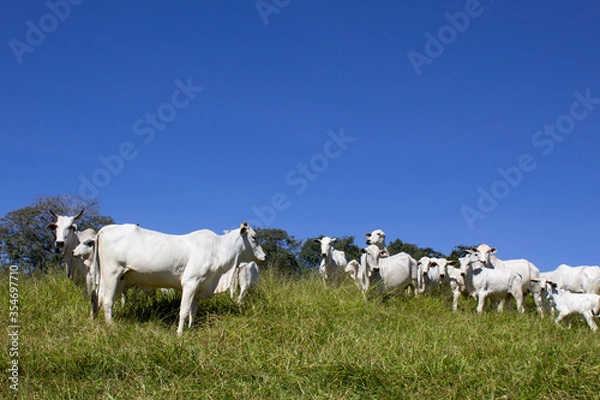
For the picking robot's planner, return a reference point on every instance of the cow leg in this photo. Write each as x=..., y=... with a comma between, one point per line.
x=108, y=292
x=187, y=299
x=455, y=297
x=560, y=317
x=589, y=317
x=501, y=304
x=481, y=302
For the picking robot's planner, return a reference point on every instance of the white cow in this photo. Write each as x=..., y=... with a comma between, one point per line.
x=65, y=239
x=333, y=262
x=428, y=274
x=376, y=267
x=498, y=284
x=582, y=279
x=192, y=263
x=567, y=303
x=451, y=277
x=245, y=276
x=377, y=237
x=85, y=251
x=527, y=271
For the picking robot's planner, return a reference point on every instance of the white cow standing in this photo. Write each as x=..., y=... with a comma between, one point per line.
x=333, y=262
x=451, y=277
x=192, y=263
x=245, y=276
x=582, y=279
x=568, y=303
x=524, y=268
x=66, y=239
x=389, y=273
x=85, y=251
x=429, y=277
x=494, y=283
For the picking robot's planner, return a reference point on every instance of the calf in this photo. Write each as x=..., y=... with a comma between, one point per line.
x=333, y=261
x=483, y=282
x=245, y=275
x=567, y=303
x=452, y=278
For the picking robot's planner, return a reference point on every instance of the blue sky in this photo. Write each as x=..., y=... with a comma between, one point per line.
x=440, y=122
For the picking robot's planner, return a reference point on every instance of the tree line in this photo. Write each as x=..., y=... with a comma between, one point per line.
x=26, y=242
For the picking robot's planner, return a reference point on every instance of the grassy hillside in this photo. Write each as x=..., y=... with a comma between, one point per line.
x=294, y=339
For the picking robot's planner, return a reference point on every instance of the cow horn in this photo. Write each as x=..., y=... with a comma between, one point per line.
x=55, y=215
x=79, y=215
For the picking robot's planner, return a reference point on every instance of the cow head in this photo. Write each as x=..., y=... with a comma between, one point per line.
x=251, y=242
x=87, y=241
x=443, y=264
x=484, y=253
x=63, y=227
x=424, y=264
x=469, y=261
x=377, y=237
x=326, y=245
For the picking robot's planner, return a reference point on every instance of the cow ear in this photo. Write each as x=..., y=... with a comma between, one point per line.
x=384, y=253
x=367, y=235
x=317, y=241
x=51, y=226
x=473, y=250
x=333, y=240
x=244, y=228
x=74, y=226
x=363, y=251
x=452, y=262
x=493, y=250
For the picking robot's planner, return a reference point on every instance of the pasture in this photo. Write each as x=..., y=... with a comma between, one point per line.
x=294, y=339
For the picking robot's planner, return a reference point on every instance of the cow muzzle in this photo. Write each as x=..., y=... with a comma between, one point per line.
x=60, y=244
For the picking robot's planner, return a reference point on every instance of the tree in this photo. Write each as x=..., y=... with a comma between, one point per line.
x=415, y=251
x=24, y=239
x=281, y=250
x=458, y=251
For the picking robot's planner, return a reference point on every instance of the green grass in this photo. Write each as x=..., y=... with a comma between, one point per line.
x=294, y=340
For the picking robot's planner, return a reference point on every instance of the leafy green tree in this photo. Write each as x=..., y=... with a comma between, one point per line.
x=24, y=239
x=415, y=251
x=458, y=251
x=281, y=250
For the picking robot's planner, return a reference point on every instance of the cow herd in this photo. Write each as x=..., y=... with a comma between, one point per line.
x=199, y=264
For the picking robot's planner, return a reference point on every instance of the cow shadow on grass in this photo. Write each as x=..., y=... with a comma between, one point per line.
x=164, y=307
